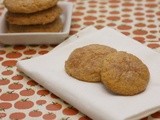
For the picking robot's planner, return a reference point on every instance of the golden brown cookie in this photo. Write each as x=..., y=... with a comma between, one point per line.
x=124, y=74
x=41, y=17
x=28, y=6
x=85, y=63
x=55, y=26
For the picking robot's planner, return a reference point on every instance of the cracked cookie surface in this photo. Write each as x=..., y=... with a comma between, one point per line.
x=85, y=63
x=28, y=6
x=124, y=74
x=41, y=17
x=55, y=26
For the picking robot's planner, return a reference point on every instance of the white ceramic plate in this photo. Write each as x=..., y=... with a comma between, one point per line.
x=40, y=37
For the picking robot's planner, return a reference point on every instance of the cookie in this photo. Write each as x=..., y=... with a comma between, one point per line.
x=28, y=6
x=85, y=63
x=41, y=17
x=55, y=26
x=124, y=74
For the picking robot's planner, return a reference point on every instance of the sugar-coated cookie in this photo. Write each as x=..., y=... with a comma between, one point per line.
x=41, y=17
x=124, y=74
x=28, y=6
x=85, y=63
x=55, y=26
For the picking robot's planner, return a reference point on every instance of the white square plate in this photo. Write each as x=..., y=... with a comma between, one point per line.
x=39, y=37
x=92, y=98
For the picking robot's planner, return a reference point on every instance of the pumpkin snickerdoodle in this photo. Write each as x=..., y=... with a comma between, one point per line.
x=28, y=6
x=85, y=63
x=124, y=74
x=41, y=17
x=55, y=26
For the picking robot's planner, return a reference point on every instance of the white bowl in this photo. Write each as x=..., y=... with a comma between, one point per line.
x=38, y=37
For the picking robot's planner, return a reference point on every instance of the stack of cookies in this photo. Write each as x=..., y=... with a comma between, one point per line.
x=33, y=16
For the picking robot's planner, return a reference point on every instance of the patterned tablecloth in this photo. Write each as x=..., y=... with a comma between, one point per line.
x=22, y=98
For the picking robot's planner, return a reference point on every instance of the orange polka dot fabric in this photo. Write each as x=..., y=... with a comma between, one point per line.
x=23, y=98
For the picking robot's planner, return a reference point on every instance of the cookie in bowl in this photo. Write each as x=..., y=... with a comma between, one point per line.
x=33, y=16
x=41, y=17
x=28, y=6
x=55, y=26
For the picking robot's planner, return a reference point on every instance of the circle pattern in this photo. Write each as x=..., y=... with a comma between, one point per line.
x=23, y=98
